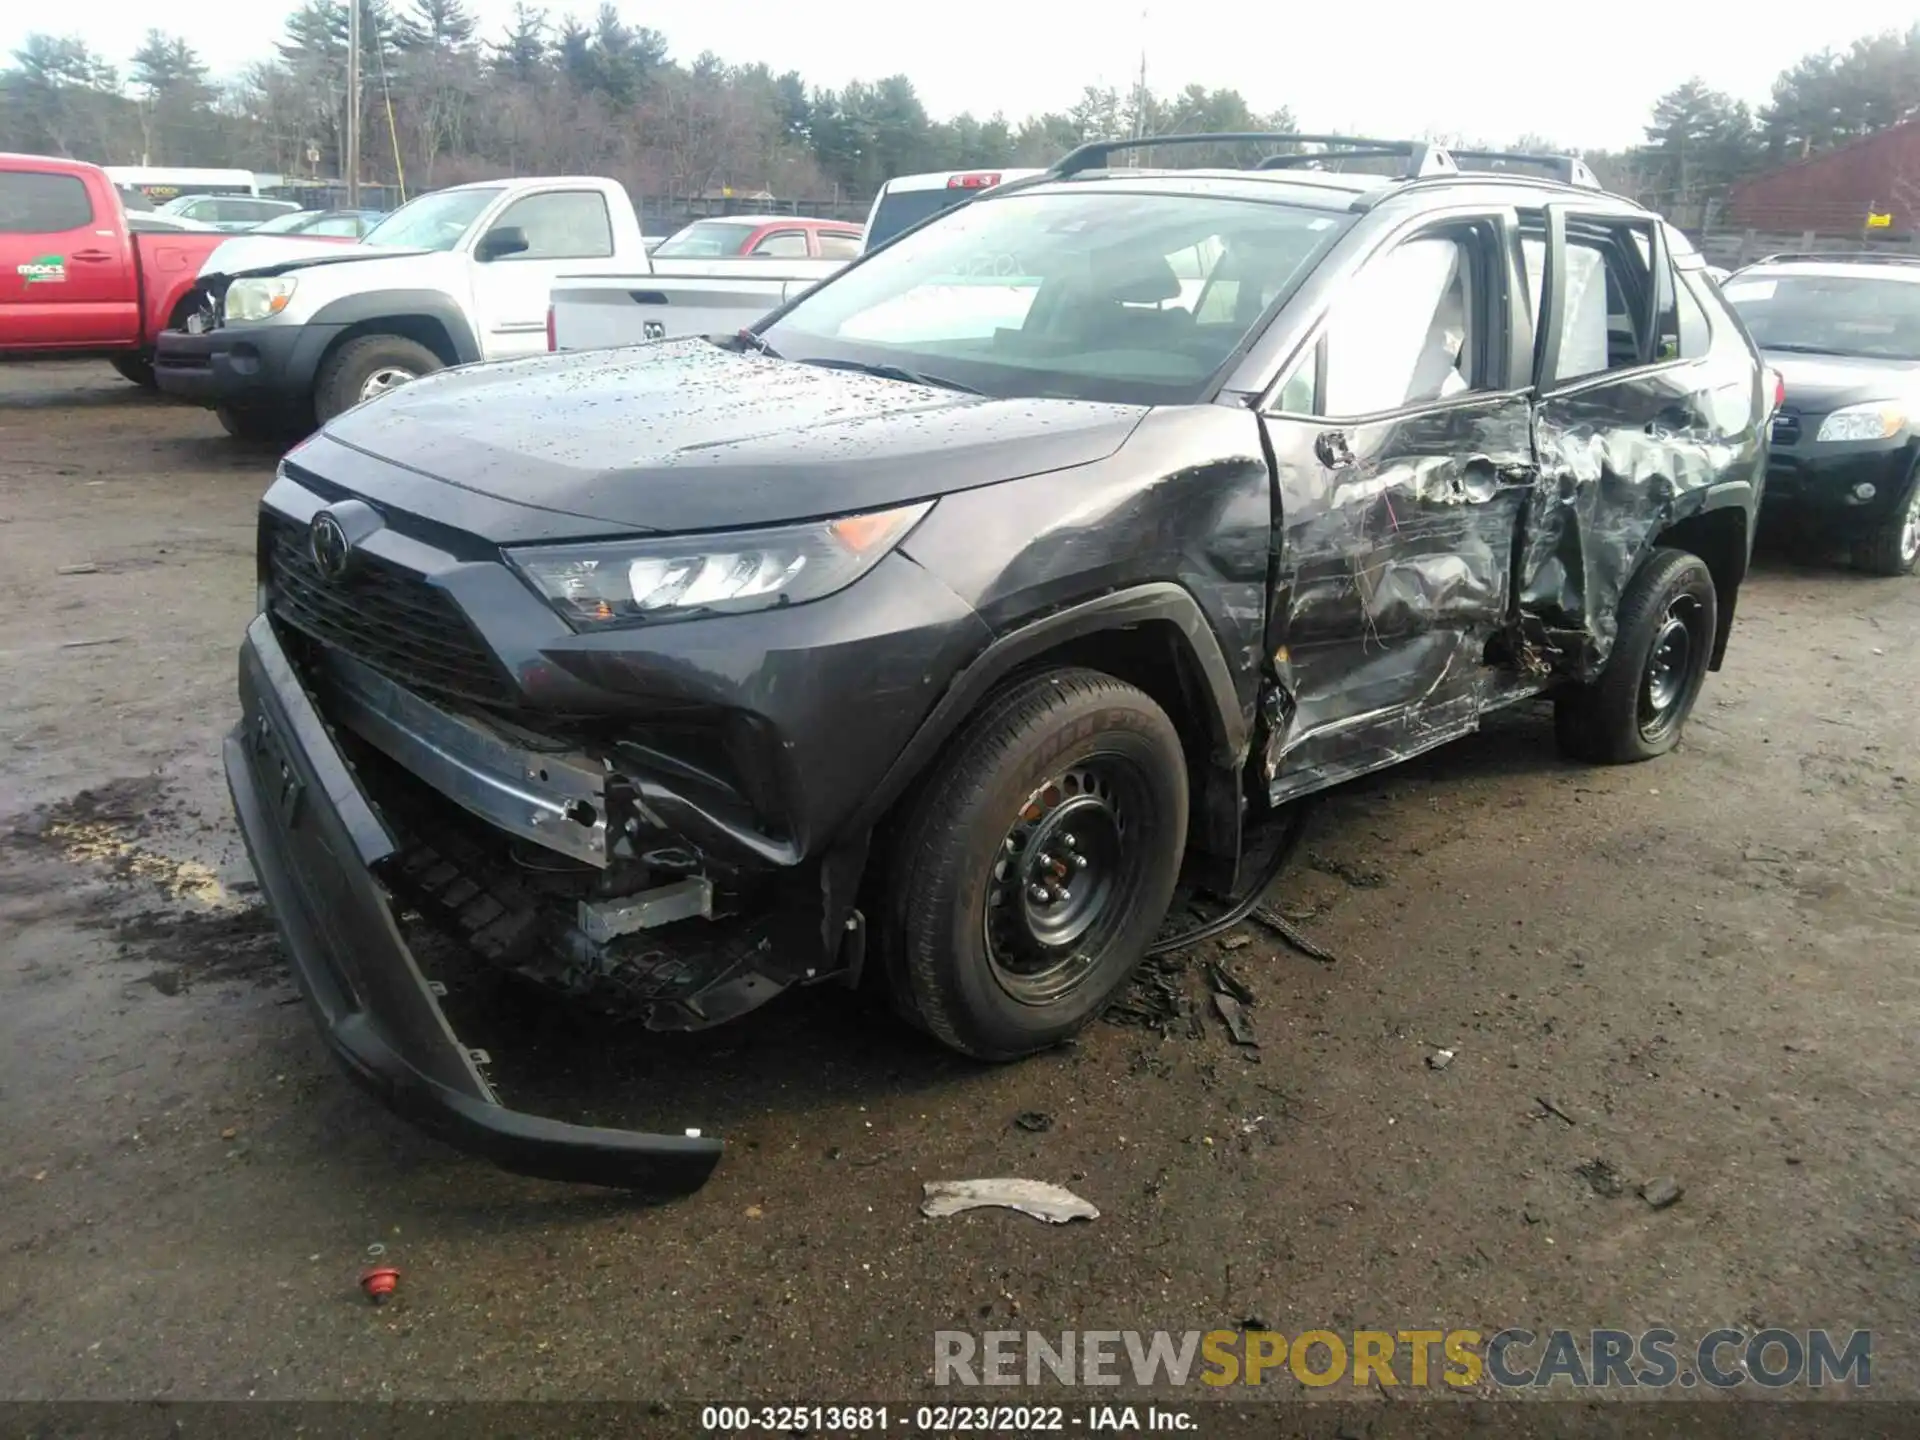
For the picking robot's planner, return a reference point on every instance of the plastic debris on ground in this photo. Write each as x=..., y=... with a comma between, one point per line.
x=1039, y=1198
x=1662, y=1192
x=1235, y=1015
x=1547, y=1107
x=1224, y=982
x=1154, y=1000
x=1283, y=927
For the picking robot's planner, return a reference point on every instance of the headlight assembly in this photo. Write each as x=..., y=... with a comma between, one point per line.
x=626, y=582
x=1875, y=420
x=259, y=299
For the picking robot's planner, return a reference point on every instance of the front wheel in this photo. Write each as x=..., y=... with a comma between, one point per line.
x=1894, y=546
x=1636, y=710
x=138, y=369
x=1038, y=863
x=366, y=368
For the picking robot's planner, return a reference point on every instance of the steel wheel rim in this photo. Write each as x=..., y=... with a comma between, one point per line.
x=387, y=377
x=1060, y=884
x=1668, y=679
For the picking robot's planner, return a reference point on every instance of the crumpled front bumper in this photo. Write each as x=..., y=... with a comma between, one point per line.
x=317, y=846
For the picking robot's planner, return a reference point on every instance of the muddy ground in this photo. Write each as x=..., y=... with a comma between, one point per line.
x=1705, y=966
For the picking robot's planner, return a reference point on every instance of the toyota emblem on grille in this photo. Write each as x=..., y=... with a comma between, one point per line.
x=327, y=542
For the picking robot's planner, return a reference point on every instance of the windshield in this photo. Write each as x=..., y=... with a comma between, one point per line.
x=902, y=209
x=433, y=222
x=1871, y=317
x=1085, y=295
x=705, y=239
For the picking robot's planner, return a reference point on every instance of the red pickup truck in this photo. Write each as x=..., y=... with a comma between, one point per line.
x=76, y=279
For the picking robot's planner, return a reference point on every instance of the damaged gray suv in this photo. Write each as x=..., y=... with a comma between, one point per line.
x=937, y=628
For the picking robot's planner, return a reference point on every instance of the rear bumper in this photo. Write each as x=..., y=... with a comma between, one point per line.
x=316, y=844
x=247, y=367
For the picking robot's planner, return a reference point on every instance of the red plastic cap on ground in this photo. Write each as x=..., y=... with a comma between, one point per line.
x=379, y=1282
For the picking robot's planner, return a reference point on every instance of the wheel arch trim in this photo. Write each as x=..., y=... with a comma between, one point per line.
x=1227, y=723
x=377, y=305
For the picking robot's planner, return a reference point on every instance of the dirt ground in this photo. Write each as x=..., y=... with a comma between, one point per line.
x=1704, y=966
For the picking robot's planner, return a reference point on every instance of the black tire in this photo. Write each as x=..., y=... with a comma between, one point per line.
x=256, y=425
x=1894, y=547
x=1638, y=707
x=345, y=374
x=1066, y=748
x=138, y=369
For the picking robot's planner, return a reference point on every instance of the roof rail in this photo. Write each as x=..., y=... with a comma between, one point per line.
x=1567, y=169
x=1848, y=257
x=1421, y=158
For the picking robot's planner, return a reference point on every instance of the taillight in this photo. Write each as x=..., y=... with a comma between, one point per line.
x=551, y=345
x=979, y=180
x=1778, y=389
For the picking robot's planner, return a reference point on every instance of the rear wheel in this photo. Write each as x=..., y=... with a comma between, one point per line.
x=366, y=368
x=1038, y=863
x=1894, y=548
x=1640, y=704
x=138, y=369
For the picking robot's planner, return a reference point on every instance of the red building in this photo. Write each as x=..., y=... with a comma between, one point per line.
x=1834, y=193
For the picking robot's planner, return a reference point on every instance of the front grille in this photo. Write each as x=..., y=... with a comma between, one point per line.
x=1786, y=429
x=383, y=615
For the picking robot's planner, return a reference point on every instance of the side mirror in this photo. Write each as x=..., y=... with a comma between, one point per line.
x=501, y=241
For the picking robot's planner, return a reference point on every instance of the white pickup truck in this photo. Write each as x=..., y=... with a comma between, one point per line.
x=293, y=332
x=668, y=299
x=672, y=299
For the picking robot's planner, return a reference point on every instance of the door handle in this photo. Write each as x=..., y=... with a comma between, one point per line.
x=92, y=257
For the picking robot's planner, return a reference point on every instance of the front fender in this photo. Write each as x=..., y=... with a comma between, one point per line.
x=374, y=305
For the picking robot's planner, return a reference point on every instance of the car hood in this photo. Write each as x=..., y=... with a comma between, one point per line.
x=685, y=435
x=277, y=254
x=1817, y=384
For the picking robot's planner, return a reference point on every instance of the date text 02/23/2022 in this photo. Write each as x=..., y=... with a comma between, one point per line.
x=942, y=1419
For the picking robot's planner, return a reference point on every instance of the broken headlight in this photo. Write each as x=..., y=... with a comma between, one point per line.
x=680, y=576
x=259, y=299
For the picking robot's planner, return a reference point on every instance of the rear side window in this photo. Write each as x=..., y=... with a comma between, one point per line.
x=704, y=239
x=561, y=225
x=838, y=247
x=1604, y=299
x=1696, y=334
x=783, y=244
x=32, y=204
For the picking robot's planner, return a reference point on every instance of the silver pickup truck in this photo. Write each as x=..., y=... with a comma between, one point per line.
x=679, y=297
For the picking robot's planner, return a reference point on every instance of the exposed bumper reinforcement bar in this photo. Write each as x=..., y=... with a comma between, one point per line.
x=555, y=800
x=316, y=843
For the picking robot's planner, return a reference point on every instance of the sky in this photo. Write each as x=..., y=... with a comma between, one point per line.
x=1375, y=68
